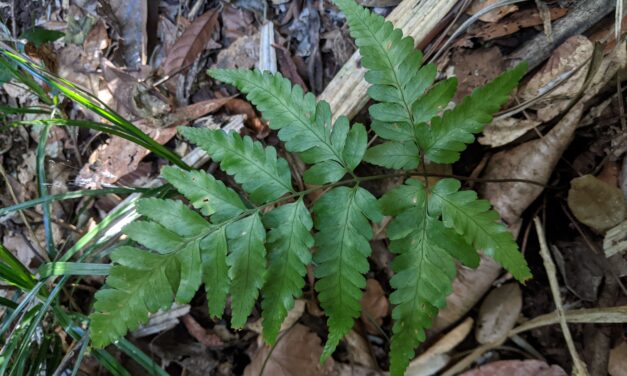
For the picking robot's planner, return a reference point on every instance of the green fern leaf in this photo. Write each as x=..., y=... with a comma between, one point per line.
x=213, y=250
x=247, y=265
x=447, y=136
x=304, y=125
x=138, y=284
x=173, y=215
x=264, y=176
x=473, y=219
x=288, y=245
x=395, y=155
x=205, y=193
x=288, y=109
x=342, y=258
x=424, y=268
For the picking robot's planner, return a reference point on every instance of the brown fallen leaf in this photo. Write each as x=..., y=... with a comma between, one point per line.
x=565, y=60
x=201, y=334
x=243, y=53
x=503, y=131
x=517, y=368
x=191, y=43
x=240, y=106
x=498, y=313
x=297, y=352
x=118, y=157
x=595, y=203
x=474, y=68
x=513, y=23
x=132, y=16
x=359, y=350
x=494, y=15
x=374, y=306
x=618, y=360
x=436, y=356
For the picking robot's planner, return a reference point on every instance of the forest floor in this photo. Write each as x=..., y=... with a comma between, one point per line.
x=565, y=128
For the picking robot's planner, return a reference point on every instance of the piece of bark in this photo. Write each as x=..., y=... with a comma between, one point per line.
x=586, y=13
x=346, y=93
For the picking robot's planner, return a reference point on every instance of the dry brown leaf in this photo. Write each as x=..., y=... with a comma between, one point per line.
x=596, y=204
x=618, y=360
x=118, y=157
x=297, y=353
x=201, y=334
x=517, y=368
x=494, y=15
x=374, y=306
x=498, y=313
x=243, y=53
x=191, y=43
x=475, y=68
x=569, y=56
x=95, y=43
x=436, y=357
x=519, y=20
x=536, y=159
x=358, y=350
x=503, y=131
x=132, y=16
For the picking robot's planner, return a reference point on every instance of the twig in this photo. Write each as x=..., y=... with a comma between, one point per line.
x=579, y=367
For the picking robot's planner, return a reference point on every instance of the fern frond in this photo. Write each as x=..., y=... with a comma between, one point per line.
x=205, y=193
x=288, y=245
x=287, y=109
x=448, y=135
x=394, y=65
x=342, y=257
x=397, y=155
x=424, y=268
x=142, y=282
x=247, y=265
x=264, y=176
x=473, y=219
x=138, y=284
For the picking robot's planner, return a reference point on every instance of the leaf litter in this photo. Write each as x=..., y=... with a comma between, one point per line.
x=106, y=50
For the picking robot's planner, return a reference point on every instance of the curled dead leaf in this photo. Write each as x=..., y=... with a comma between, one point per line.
x=517, y=368
x=191, y=43
x=374, y=306
x=297, y=352
x=503, y=131
x=494, y=15
x=498, y=313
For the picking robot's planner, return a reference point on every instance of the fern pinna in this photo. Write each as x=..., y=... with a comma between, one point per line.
x=261, y=241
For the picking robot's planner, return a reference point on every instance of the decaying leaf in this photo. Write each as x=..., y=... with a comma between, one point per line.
x=571, y=55
x=243, y=53
x=436, y=357
x=595, y=203
x=498, y=313
x=494, y=15
x=503, y=131
x=131, y=16
x=297, y=352
x=374, y=305
x=517, y=368
x=580, y=268
x=475, y=68
x=618, y=360
x=513, y=23
x=191, y=43
x=358, y=350
x=118, y=157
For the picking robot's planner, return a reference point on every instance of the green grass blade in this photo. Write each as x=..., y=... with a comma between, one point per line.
x=74, y=195
x=73, y=268
x=43, y=190
x=140, y=358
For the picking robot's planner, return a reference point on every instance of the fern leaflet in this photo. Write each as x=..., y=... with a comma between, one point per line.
x=264, y=176
x=473, y=219
x=289, y=241
x=342, y=258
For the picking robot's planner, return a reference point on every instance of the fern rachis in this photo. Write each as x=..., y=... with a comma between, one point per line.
x=261, y=244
